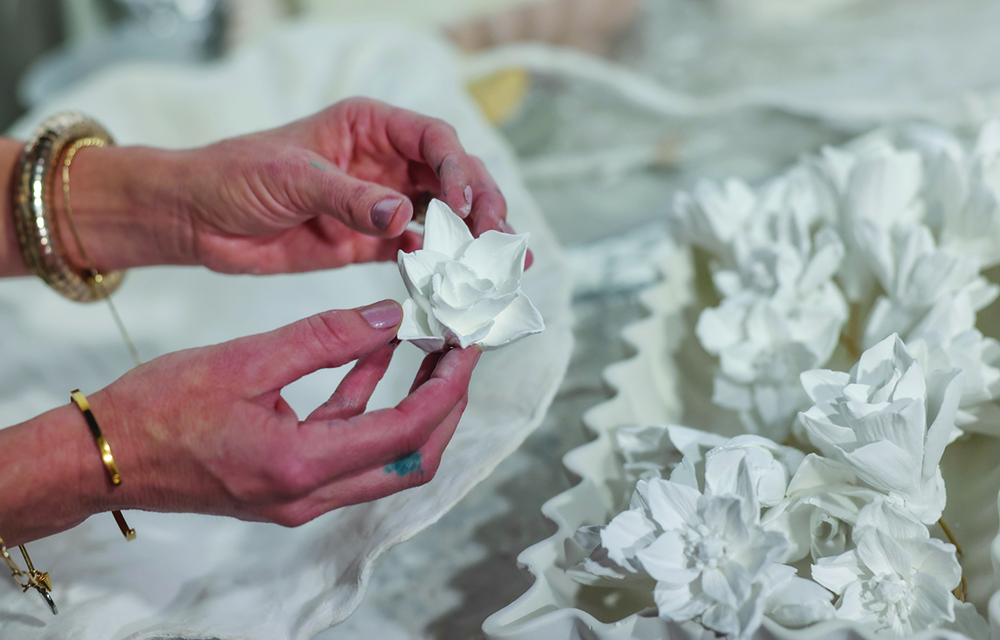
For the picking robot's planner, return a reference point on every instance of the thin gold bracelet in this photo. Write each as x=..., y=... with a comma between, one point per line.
x=30, y=579
x=94, y=277
x=104, y=449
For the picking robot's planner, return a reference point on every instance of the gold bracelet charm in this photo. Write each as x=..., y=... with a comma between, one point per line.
x=104, y=449
x=30, y=579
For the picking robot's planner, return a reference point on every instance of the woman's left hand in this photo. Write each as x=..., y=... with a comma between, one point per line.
x=333, y=189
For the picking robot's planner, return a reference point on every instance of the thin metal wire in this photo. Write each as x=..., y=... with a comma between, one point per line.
x=94, y=277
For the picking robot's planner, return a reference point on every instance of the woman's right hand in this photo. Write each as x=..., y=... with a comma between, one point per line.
x=206, y=430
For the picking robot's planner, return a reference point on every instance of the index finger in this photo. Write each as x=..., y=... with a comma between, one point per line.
x=435, y=143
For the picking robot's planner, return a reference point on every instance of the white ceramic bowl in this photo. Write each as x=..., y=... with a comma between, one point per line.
x=669, y=379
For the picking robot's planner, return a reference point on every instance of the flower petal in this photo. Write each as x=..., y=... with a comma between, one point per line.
x=519, y=320
x=498, y=257
x=623, y=534
x=414, y=329
x=444, y=231
x=672, y=505
x=418, y=269
x=932, y=603
x=883, y=555
x=838, y=573
x=664, y=559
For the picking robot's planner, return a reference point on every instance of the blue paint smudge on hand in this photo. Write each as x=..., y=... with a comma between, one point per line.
x=406, y=466
x=318, y=164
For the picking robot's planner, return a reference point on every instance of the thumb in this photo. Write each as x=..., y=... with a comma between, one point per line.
x=366, y=207
x=322, y=341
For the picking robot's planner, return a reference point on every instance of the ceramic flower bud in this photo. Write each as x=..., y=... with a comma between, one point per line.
x=465, y=290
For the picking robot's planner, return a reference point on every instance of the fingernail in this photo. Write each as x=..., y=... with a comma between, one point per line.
x=383, y=211
x=479, y=354
x=468, y=200
x=382, y=315
x=506, y=228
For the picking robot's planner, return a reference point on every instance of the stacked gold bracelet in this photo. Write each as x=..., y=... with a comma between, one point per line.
x=34, y=209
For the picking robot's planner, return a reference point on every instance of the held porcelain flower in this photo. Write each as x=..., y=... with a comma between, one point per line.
x=465, y=290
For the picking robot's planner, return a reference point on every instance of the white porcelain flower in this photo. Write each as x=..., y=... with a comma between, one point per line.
x=874, y=185
x=658, y=451
x=935, y=346
x=820, y=509
x=963, y=194
x=916, y=276
x=896, y=587
x=713, y=216
x=763, y=348
x=708, y=555
x=709, y=558
x=888, y=423
x=781, y=314
x=465, y=290
x=768, y=464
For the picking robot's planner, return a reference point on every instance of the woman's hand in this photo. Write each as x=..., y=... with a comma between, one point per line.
x=207, y=431
x=333, y=189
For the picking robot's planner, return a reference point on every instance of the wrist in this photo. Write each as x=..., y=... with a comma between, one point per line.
x=127, y=204
x=51, y=477
x=11, y=261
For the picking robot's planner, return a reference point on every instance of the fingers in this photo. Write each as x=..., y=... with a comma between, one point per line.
x=366, y=207
x=355, y=390
x=331, y=449
x=272, y=360
x=434, y=142
x=489, y=208
x=426, y=369
x=415, y=469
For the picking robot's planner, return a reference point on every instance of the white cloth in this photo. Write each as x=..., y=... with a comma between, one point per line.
x=204, y=577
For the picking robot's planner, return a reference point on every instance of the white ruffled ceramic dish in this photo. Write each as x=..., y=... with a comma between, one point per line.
x=666, y=382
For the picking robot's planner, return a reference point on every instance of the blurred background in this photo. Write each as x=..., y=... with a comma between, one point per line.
x=610, y=107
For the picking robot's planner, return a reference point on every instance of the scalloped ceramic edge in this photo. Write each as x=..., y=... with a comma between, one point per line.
x=645, y=388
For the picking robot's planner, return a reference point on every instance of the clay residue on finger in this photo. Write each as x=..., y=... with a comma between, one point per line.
x=405, y=466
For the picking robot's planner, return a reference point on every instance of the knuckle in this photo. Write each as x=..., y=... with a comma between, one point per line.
x=329, y=332
x=350, y=201
x=494, y=200
x=293, y=516
x=429, y=467
x=287, y=476
x=412, y=440
x=440, y=127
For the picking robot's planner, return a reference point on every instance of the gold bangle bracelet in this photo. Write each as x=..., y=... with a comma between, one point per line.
x=38, y=234
x=30, y=579
x=107, y=458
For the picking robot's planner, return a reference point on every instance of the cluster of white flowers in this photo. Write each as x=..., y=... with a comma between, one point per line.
x=781, y=313
x=866, y=258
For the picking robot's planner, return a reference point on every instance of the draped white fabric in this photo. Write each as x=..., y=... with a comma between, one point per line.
x=204, y=577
